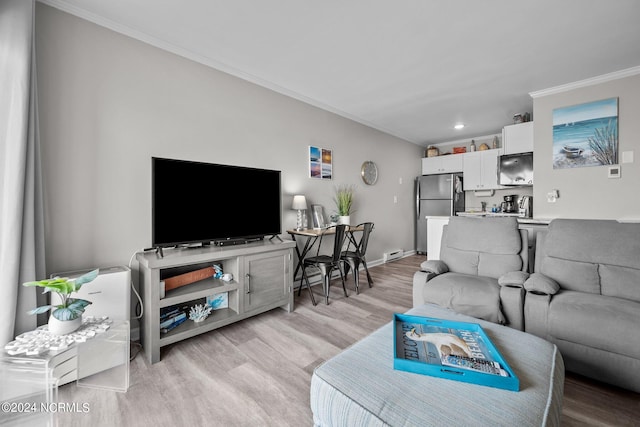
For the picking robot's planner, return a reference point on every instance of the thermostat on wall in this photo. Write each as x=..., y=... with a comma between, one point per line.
x=614, y=171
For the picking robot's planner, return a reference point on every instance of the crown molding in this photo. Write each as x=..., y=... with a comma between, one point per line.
x=587, y=82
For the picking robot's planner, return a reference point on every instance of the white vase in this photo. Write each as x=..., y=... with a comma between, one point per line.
x=63, y=327
x=344, y=219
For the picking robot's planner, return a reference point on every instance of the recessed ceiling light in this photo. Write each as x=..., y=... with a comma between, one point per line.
x=459, y=126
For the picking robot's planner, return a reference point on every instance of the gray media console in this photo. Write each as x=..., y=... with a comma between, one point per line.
x=262, y=280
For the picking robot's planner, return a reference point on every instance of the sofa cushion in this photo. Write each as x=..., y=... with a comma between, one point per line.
x=596, y=256
x=476, y=296
x=485, y=247
x=621, y=282
x=435, y=266
x=606, y=323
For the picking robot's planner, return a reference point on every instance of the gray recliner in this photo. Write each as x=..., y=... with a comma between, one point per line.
x=584, y=296
x=481, y=272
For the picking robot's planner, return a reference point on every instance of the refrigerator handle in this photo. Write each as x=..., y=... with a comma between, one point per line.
x=418, y=198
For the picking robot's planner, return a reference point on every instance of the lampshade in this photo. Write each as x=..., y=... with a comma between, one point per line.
x=299, y=203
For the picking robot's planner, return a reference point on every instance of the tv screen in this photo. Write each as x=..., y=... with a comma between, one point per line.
x=195, y=202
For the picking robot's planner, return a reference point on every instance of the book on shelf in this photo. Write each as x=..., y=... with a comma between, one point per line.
x=179, y=317
x=179, y=320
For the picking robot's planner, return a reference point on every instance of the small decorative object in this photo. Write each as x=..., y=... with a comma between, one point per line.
x=334, y=219
x=218, y=301
x=217, y=268
x=494, y=145
x=432, y=151
x=65, y=317
x=517, y=118
x=369, y=172
x=199, y=312
x=483, y=147
x=344, y=203
x=42, y=340
x=459, y=150
x=473, y=146
x=227, y=277
x=320, y=163
x=299, y=204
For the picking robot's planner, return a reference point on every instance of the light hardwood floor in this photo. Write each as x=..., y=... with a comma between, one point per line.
x=257, y=372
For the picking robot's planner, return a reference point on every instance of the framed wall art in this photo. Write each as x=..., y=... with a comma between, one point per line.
x=317, y=216
x=586, y=134
x=320, y=163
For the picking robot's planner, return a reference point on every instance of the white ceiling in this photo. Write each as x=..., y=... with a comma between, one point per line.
x=411, y=68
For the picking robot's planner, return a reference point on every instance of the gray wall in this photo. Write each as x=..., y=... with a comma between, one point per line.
x=109, y=103
x=587, y=192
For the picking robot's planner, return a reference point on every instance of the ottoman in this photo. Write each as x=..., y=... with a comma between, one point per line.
x=359, y=386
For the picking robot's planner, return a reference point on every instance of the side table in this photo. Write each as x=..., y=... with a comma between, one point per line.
x=29, y=385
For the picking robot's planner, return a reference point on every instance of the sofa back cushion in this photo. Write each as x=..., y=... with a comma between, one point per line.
x=482, y=246
x=596, y=256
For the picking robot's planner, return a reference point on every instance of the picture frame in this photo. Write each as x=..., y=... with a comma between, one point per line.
x=320, y=163
x=317, y=217
x=586, y=134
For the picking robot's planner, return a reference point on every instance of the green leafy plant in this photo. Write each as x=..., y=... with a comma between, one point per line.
x=344, y=199
x=70, y=308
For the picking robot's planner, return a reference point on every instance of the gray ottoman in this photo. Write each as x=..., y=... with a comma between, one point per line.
x=359, y=386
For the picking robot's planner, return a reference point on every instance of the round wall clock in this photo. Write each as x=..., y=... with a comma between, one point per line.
x=369, y=172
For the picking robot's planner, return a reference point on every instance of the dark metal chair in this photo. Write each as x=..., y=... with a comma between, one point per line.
x=325, y=263
x=353, y=258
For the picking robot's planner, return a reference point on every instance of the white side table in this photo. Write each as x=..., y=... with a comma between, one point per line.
x=30, y=381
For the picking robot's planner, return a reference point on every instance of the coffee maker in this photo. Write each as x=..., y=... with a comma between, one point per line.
x=525, y=206
x=509, y=204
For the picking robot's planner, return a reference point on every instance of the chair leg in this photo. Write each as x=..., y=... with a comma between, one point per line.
x=326, y=279
x=344, y=287
x=304, y=276
x=369, y=280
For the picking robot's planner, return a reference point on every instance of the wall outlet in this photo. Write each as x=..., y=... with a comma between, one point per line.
x=552, y=196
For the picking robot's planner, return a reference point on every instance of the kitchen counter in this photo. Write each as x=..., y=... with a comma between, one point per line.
x=521, y=220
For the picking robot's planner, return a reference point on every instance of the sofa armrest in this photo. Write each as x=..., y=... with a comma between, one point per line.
x=420, y=279
x=538, y=283
x=512, y=302
x=434, y=266
x=514, y=279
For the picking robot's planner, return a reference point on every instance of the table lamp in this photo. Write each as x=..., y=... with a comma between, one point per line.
x=299, y=204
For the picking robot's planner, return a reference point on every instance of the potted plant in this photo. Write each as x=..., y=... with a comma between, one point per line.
x=344, y=203
x=65, y=317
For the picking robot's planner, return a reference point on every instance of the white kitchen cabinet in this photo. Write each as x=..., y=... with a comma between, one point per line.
x=481, y=170
x=442, y=164
x=435, y=226
x=518, y=138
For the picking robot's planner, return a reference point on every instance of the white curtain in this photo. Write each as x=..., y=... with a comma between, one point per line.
x=21, y=207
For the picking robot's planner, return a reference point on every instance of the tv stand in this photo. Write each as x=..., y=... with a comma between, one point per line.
x=262, y=280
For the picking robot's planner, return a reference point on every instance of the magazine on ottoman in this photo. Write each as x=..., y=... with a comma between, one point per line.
x=459, y=351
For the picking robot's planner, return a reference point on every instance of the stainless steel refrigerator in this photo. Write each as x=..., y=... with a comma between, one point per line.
x=436, y=195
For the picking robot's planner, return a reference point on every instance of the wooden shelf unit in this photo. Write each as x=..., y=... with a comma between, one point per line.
x=262, y=280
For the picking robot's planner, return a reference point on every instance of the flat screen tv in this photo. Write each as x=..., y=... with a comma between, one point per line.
x=196, y=202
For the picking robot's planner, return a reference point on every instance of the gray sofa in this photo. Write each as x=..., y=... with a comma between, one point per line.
x=481, y=270
x=584, y=296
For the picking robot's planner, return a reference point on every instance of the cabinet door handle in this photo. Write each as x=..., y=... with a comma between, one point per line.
x=248, y=280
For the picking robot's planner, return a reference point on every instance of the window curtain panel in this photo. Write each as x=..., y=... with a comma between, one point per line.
x=21, y=207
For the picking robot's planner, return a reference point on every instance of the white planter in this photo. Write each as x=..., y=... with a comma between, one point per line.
x=346, y=220
x=63, y=327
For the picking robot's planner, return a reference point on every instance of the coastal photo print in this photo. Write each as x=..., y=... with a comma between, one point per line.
x=586, y=134
x=320, y=163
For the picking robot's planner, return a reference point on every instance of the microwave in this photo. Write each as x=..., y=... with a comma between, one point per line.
x=515, y=169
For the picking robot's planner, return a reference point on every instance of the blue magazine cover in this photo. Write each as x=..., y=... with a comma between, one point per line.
x=459, y=351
